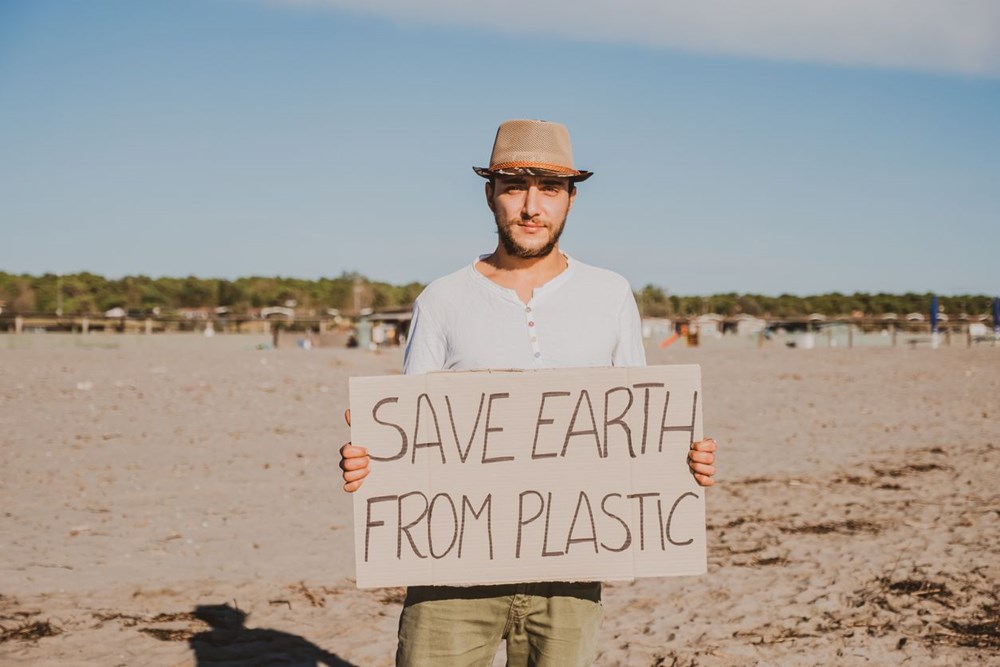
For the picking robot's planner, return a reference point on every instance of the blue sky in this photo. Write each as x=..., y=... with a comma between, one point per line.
x=752, y=154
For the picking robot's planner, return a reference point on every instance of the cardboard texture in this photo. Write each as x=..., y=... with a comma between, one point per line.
x=516, y=476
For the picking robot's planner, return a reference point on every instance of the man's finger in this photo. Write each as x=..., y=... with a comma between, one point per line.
x=355, y=463
x=704, y=480
x=704, y=469
x=702, y=457
x=351, y=487
x=356, y=475
x=347, y=416
x=706, y=445
x=349, y=451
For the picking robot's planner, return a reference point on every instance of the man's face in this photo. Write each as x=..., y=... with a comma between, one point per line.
x=530, y=212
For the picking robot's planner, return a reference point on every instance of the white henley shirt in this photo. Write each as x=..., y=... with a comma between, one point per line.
x=583, y=317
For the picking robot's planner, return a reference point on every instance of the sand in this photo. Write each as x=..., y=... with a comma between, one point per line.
x=174, y=500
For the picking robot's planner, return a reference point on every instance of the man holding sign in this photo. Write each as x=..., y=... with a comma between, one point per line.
x=526, y=306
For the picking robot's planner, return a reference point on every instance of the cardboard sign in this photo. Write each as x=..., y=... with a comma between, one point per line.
x=518, y=476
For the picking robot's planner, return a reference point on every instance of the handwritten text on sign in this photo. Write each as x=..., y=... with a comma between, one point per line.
x=516, y=476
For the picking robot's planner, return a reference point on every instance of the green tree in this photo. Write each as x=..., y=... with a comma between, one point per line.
x=654, y=302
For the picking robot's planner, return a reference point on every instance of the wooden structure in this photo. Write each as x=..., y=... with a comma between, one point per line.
x=286, y=319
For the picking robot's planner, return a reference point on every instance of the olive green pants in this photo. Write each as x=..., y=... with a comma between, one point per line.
x=545, y=625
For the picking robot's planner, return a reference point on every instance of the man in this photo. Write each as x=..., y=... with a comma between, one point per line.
x=525, y=305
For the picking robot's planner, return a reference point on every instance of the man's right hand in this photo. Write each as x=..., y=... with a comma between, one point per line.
x=354, y=462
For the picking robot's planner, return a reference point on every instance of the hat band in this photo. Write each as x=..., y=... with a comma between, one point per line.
x=522, y=164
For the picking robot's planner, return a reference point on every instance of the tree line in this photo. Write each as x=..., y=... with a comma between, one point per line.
x=88, y=293
x=655, y=302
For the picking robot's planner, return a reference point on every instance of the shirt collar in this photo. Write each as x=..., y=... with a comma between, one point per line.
x=554, y=283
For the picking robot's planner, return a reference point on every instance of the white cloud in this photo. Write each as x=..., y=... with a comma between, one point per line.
x=952, y=36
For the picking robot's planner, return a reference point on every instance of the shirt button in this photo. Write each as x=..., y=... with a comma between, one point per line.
x=527, y=309
x=537, y=354
x=531, y=324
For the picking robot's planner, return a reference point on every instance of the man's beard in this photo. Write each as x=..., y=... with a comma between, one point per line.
x=515, y=250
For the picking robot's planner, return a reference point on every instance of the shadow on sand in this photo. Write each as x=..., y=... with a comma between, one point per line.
x=230, y=642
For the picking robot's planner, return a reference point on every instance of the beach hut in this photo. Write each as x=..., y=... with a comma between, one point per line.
x=977, y=329
x=196, y=313
x=709, y=324
x=281, y=311
x=748, y=325
x=915, y=317
x=656, y=328
x=386, y=327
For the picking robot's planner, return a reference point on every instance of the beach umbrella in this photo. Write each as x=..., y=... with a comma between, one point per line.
x=934, y=313
x=996, y=314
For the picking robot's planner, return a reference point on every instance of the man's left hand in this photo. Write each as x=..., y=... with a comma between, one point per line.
x=701, y=460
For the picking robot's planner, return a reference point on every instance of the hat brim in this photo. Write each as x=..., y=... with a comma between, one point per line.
x=575, y=176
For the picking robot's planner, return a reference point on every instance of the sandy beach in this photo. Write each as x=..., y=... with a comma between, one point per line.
x=175, y=500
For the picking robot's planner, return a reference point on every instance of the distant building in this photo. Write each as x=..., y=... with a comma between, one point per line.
x=195, y=313
x=748, y=325
x=657, y=328
x=268, y=313
x=709, y=324
x=390, y=326
x=978, y=329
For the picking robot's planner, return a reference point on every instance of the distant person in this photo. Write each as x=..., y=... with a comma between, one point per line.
x=364, y=331
x=378, y=337
x=525, y=305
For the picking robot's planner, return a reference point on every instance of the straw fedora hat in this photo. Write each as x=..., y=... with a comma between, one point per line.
x=532, y=147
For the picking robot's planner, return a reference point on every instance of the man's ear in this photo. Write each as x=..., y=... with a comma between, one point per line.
x=572, y=196
x=489, y=195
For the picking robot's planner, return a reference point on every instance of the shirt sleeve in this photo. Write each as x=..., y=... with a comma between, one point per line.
x=629, y=350
x=426, y=344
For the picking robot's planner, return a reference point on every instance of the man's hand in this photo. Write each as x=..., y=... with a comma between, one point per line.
x=701, y=460
x=354, y=462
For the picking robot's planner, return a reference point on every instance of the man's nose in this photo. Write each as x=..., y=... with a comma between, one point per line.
x=531, y=202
